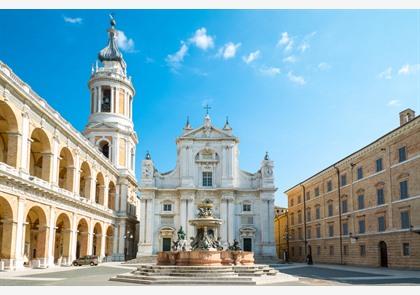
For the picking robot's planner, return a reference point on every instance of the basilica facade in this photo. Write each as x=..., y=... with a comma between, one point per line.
x=207, y=170
x=66, y=194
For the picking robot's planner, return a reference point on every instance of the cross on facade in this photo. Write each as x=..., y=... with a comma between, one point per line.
x=207, y=108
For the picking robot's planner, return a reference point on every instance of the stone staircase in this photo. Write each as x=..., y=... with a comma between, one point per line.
x=203, y=275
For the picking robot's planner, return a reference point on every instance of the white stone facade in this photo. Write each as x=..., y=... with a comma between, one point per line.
x=207, y=168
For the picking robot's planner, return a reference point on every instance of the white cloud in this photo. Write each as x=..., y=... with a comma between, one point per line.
x=228, y=50
x=304, y=45
x=409, y=69
x=73, y=20
x=284, y=40
x=323, y=66
x=387, y=74
x=296, y=79
x=175, y=60
x=251, y=57
x=269, y=71
x=290, y=59
x=126, y=44
x=202, y=40
x=394, y=103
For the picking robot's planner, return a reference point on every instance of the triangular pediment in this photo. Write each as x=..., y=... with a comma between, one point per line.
x=204, y=132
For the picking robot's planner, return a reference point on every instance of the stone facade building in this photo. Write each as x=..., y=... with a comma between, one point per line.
x=64, y=194
x=280, y=232
x=207, y=169
x=364, y=209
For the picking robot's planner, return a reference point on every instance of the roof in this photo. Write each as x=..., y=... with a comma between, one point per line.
x=111, y=51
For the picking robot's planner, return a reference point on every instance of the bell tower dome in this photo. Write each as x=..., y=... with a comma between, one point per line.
x=110, y=126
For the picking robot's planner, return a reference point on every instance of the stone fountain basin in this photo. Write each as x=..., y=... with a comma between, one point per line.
x=205, y=258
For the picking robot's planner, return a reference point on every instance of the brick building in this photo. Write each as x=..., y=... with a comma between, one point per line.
x=365, y=208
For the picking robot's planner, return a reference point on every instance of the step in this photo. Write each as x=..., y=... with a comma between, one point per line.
x=170, y=278
x=183, y=282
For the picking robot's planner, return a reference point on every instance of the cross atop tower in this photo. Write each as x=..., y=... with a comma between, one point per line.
x=207, y=108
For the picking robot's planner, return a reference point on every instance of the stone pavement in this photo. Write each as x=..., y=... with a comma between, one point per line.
x=312, y=275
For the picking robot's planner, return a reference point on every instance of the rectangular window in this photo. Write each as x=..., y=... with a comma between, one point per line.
x=381, y=223
x=292, y=219
x=293, y=251
x=380, y=198
x=331, y=250
x=406, y=249
x=308, y=233
x=167, y=207
x=291, y=202
x=359, y=173
x=402, y=154
x=362, y=228
x=405, y=219
x=330, y=230
x=299, y=199
x=404, y=189
x=308, y=214
x=379, y=166
x=318, y=232
x=207, y=179
x=330, y=209
x=299, y=217
x=362, y=250
x=246, y=207
x=316, y=191
x=300, y=234
x=318, y=212
x=345, y=250
x=361, y=202
x=318, y=250
x=343, y=180
x=344, y=208
x=345, y=229
x=329, y=185
x=308, y=195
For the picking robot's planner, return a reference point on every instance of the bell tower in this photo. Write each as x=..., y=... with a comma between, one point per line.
x=110, y=125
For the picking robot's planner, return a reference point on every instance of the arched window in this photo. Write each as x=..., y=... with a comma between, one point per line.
x=106, y=100
x=104, y=148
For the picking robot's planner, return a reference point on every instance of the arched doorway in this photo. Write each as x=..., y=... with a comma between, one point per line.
x=6, y=226
x=65, y=170
x=100, y=189
x=97, y=237
x=383, y=254
x=62, y=240
x=85, y=179
x=111, y=195
x=40, y=157
x=109, y=241
x=35, y=235
x=82, y=238
x=8, y=135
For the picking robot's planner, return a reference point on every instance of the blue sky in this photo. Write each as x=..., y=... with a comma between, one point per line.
x=308, y=86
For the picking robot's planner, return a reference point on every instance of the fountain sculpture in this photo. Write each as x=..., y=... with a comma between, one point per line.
x=205, y=248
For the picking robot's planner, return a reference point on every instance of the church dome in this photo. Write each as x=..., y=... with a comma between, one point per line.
x=111, y=51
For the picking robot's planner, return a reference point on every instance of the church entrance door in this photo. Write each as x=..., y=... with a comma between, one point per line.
x=248, y=244
x=166, y=244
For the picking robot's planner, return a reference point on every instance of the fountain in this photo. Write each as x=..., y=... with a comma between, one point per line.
x=204, y=249
x=203, y=260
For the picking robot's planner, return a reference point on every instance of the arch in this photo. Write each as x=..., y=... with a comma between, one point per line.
x=111, y=195
x=100, y=189
x=105, y=148
x=97, y=239
x=9, y=135
x=109, y=241
x=82, y=238
x=66, y=169
x=35, y=234
x=383, y=254
x=40, y=155
x=85, y=180
x=62, y=239
x=6, y=229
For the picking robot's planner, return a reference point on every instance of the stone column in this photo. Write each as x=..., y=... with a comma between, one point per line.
x=25, y=143
x=146, y=225
x=73, y=239
x=115, y=256
x=91, y=188
x=106, y=192
x=20, y=233
x=47, y=163
x=121, y=239
x=90, y=239
x=14, y=139
x=103, y=246
x=71, y=172
x=98, y=106
x=55, y=161
x=51, y=238
x=117, y=198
